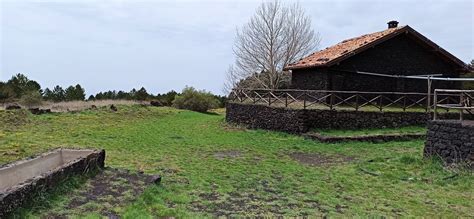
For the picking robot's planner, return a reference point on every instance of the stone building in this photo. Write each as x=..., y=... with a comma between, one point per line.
x=394, y=51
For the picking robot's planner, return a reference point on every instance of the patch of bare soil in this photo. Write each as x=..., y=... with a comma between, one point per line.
x=109, y=189
x=250, y=201
x=315, y=159
x=221, y=155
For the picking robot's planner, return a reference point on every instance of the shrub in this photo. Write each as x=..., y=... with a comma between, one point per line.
x=168, y=98
x=20, y=84
x=468, y=85
x=141, y=94
x=31, y=99
x=192, y=99
x=58, y=94
x=6, y=92
x=222, y=100
x=74, y=93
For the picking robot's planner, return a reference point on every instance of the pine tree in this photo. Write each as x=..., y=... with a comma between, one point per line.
x=80, y=93
x=47, y=94
x=69, y=93
x=141, y=94
x=58, y=94
x=20, y=84
x=91, y=98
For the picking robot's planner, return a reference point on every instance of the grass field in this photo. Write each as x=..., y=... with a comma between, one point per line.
x=211, y=169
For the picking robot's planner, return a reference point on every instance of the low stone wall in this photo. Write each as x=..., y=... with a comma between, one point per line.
x=452, y=141
x=366, y=138
x=301, y=120
x=264, y=117
x=23, y=193
x=332, y=119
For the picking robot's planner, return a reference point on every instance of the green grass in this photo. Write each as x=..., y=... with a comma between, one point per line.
x=359, y=132
x=181, y=146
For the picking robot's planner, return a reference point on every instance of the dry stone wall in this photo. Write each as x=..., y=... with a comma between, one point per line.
x=452, y=141
x=300, y=120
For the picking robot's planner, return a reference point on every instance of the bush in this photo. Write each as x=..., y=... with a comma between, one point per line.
x=6, y=92
x=222, y=100
x=469, y=85
x=31, y=99
x=141, y=94
x=192, y=99
x=20, y=84
x=168, y=98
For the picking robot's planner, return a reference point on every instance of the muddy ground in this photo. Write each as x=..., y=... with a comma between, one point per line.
x=115, y=188
x=107, y=190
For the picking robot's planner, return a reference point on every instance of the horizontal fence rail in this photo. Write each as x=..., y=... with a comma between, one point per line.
x=344, y=100
x=465, y=103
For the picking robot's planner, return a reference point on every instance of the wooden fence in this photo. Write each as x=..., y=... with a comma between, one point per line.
x=465, y=104
x=347, y=100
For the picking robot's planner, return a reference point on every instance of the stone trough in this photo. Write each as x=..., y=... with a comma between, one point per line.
x=21, y=180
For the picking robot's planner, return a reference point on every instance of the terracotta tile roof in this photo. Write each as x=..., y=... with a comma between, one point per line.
x=347, y=48
x=342, y=49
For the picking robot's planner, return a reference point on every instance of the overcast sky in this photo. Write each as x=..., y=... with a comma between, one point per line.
x=164, y=45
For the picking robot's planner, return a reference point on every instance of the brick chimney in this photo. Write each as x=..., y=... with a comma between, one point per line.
x=392, y=24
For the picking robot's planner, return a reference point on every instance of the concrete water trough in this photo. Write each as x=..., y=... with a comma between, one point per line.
x=22, y=180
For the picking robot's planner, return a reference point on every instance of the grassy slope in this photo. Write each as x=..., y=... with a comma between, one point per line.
x=181, y=145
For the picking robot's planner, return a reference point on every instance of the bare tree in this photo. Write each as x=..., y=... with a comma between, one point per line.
x=275, y=36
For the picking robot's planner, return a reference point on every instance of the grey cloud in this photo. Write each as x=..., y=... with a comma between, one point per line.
x=165, y=45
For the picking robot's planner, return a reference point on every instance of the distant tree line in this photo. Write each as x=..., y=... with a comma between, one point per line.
x=17, y=87
x=59, y=94
x=141, y=94
x=166, y=99
x=20, y=87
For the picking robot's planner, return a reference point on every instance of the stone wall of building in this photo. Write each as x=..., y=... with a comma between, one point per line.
x=400, y=55
x=308, y=79
x=452, y=141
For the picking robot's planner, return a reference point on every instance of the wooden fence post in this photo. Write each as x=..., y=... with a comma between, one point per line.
x=357, y=102
x=435, y=102
x=461, y=101
x=428, y=101
x=304, y=99
x=380, y=102
x=331, y=100
x=404, y=102
x=269, y=98
x=253, y=97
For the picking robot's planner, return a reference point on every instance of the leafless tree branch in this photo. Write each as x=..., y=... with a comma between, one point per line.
x=275, y=36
